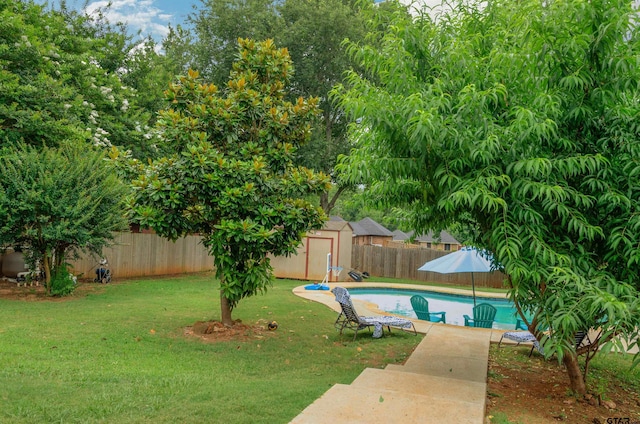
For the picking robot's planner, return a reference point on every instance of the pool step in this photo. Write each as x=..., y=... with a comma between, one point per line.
x=443, y=381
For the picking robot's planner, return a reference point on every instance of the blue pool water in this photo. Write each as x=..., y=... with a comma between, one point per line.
x=396, y=301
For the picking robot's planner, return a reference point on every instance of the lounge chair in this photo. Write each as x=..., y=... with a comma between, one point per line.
x=527, y=337
x=349, y=318
x=483, y=316
x=522, y=337
x=420, y=306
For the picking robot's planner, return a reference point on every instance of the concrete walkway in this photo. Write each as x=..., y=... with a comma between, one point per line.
x=444, y=379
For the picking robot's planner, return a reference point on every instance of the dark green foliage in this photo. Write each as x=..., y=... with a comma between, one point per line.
x=313, y=33
x=59, y=80
x=55, y=202
x=520, y=120
x=62, y=283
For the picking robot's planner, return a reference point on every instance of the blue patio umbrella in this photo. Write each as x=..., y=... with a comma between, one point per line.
x=467, y=259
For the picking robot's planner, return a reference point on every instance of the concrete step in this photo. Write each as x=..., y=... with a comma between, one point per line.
x=344, y=404
x=460, y=368
x=461, y=341
x=420, y=384
x=451, y=352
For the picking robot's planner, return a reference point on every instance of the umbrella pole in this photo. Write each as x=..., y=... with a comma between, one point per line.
x=473, y=287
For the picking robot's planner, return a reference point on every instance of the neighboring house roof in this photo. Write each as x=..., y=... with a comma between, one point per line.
x=400, y=235
x=369, y=227
x=444, y=238
x=357, y=229
x=336, y=218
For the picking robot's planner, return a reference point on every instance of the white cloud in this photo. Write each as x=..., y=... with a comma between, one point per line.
x=137, y=14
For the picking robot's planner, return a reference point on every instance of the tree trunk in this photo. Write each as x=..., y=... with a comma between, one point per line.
x=47, y=272
x=58, y=254
x=570, y=360
x=225, y=310
x=328, y=204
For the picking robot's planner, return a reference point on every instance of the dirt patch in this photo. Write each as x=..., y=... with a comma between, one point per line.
x=215, y=331
x=36, y=292
x=534, y=391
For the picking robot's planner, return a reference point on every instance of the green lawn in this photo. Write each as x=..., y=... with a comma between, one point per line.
x=120, y=356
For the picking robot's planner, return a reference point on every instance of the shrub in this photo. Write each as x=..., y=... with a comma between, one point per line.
x=62, y=282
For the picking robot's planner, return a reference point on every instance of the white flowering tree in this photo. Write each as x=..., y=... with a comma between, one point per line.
x=59, y=80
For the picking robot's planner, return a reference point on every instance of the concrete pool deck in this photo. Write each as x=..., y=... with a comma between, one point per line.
x=443, y=380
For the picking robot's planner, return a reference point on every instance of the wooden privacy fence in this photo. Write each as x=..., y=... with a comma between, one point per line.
x=138, y=254
x=143, y=254
x=404, y=263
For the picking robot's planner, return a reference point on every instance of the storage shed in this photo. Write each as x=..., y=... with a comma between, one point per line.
x=310, y=261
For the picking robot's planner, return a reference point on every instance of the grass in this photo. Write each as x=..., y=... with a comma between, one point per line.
x=604, y=366
x=120, y=356
x=501, y=418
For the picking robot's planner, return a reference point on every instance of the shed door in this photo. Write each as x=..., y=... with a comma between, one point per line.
x=317, y=249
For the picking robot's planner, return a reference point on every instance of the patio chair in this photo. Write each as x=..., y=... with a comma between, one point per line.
x=420, y=306
x=527, y=337
x=349, y=318
x=483, y=316
x=522, y=337
x=520, y=325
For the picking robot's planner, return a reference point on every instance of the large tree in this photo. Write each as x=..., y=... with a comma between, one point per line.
x=57, y=202
x=521, y=120
x=61, y=101
x=313, y=32
x=232, y=178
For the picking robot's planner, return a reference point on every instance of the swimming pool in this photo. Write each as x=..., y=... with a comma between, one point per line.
x=396, y=301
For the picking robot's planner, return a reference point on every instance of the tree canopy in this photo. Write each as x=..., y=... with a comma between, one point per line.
x=520, y=120
x=312, y=31
x=62, y=101
x=232, y=177
x=59, y=80
x=56, y=202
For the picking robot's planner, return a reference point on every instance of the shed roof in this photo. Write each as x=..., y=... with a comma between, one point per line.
x=335, y=225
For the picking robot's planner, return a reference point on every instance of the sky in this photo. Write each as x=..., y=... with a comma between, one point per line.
x=152, y=17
